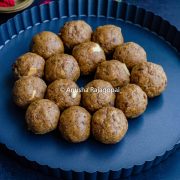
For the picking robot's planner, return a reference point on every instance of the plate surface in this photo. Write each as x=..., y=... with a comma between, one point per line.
x=149, y=136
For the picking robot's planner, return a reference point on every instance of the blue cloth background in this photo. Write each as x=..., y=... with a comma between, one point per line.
x=169, y=169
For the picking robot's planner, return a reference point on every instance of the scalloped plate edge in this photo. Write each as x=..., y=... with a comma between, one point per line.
x=124, y=11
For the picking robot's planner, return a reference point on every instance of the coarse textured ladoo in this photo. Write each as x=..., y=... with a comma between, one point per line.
x=132, y=100
x=61, y=66
x=46, y=44
x=109, y=125
x=88, y=55
x=109, y=37
x=150, y=77
x=29, y=64
x=75, y=32
x=28, y=89
x=114, y=72
x=98, y=93
x=74, y=124
x=42, y=116
x=130, y=53
x=64, y=92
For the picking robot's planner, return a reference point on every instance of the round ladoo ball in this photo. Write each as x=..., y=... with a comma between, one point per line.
x=132, y=100
x=42, y=116
x=108, y=37
x=114, y=72
x=47, y=44
x=64, y=93
x=75, y=32
x=130, y=53
x=150, y=77
x=61, y=66
x=29, y=64
x=88, y=55
x=109, y=125
x=98, y=94
x=28, y=89
x=74, y=124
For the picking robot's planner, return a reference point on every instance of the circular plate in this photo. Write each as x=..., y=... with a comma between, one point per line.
x=149, y=137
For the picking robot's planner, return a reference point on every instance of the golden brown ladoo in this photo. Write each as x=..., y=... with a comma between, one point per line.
x=132, y=100
x=29, y=64
x=88, y=56
x=108, y=37
x=64, y=93
x=130, y=53
x=114, y=72
x=61, y=66
x=28, y=89
x=42, y=116
x=75, y=32
x=98, y=94
x=150, y=77
x=47, y=44
x=74, y=124
x=109, y=125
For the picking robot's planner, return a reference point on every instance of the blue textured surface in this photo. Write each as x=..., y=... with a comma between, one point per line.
x=148, y=47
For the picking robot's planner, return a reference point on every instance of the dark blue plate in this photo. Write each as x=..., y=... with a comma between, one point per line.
x=149, y=137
